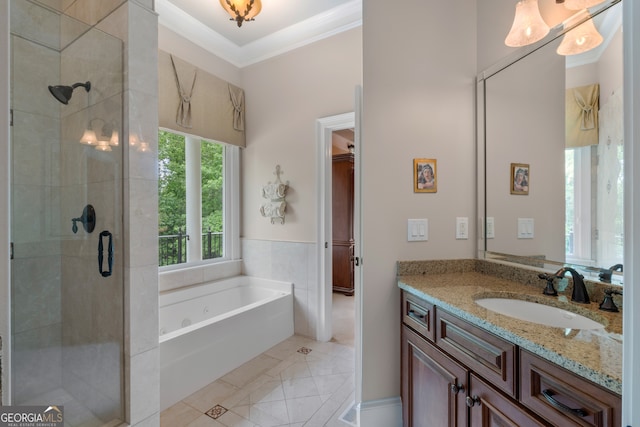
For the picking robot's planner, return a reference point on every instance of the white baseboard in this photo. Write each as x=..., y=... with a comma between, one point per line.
x=380, y=413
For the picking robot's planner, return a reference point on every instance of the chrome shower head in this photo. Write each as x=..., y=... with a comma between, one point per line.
x=63, y=93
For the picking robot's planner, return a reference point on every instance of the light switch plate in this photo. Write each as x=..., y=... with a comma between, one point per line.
x=417, y=230
x=491, y=234
x=525, y=228
x=462, y=228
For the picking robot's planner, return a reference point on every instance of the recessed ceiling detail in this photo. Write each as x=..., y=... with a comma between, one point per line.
x=283, y=25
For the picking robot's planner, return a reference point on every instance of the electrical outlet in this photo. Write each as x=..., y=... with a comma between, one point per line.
x=462, y=228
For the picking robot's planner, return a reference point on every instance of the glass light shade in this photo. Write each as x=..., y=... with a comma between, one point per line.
x=528, y=26
x=103, y=146
x=581, y=39
x=89, y=137
x=144, y=147
x=241, y=9
x=133, y=139
x=114, y=141
x=580, y=4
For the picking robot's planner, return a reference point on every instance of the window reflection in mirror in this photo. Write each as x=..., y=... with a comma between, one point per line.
x=576, y=189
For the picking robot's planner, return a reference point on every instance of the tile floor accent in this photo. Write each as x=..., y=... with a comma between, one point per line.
x=216, y=412
x=299, y=382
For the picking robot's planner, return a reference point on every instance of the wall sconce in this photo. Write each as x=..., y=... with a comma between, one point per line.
x=107, y=138
x=580, y=39
x=528, y=26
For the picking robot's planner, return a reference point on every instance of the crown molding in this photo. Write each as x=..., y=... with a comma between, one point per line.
x=334, y=21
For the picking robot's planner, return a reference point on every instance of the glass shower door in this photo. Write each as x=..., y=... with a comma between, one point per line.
x=67, y=317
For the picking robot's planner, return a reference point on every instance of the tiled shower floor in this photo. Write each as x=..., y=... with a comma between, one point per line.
x=299, y=382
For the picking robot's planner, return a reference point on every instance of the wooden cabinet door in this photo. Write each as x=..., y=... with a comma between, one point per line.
x=342, y=219
x=433, y=385
x=489, y=408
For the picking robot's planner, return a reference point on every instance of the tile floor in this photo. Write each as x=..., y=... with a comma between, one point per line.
x=299, y=382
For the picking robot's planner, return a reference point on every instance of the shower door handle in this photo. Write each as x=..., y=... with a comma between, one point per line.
x=105, y=273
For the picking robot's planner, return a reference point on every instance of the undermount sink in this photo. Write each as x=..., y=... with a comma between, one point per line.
x=538, y=313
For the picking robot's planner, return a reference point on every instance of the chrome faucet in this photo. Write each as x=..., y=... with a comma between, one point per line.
x=580, y=293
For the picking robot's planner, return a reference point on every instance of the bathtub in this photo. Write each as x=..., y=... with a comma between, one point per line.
x=207, y=330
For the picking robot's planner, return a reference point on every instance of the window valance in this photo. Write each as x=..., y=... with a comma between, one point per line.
x=195, y=102
x=581, y=119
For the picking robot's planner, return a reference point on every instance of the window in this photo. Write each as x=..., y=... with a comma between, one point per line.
x=578, y=227
x=594, y=205
x=194, y=175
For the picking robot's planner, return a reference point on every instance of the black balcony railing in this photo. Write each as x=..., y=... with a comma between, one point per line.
x=173, y=247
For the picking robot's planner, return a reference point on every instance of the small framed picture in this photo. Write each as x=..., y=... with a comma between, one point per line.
x=520, y=178
x=425, y=176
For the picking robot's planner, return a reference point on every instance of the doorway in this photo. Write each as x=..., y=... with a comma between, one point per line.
x=325, y=130
x=325, y=323
x=342, y=243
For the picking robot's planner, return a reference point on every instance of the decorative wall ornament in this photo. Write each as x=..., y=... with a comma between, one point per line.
x=275, y=192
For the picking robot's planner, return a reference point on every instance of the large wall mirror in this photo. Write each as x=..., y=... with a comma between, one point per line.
x=550, y=150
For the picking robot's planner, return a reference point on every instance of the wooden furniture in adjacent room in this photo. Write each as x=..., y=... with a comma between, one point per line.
x=342, y=205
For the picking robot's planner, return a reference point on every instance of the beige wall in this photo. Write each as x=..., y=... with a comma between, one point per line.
x=418, y=102
x=169, y=41
x=285, y=96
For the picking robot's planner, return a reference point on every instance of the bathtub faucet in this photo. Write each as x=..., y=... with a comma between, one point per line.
x=579, y=293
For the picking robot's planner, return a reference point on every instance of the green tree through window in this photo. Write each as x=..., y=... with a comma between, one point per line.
x=172, y=197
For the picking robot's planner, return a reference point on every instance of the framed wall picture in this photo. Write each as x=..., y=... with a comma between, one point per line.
x=519, y=178
x=425, y=176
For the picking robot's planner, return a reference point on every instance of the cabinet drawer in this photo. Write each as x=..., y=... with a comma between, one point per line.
x=418, y=314
x=484, y=353
x=563, y=398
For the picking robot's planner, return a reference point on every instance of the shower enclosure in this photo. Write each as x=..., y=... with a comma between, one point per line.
x=67, y=297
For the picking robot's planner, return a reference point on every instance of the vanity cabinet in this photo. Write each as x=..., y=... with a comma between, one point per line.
x=457, y=374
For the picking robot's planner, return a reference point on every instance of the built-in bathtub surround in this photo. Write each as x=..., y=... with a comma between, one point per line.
x=289, y=262
x=455, y=285
x=209, y=329
x=175, y=278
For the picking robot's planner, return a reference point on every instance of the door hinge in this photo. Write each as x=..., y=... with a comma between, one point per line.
x=11, y=251
x=326, y=245
x=11, y=117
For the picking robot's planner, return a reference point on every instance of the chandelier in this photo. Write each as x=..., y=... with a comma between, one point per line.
x=242, y=10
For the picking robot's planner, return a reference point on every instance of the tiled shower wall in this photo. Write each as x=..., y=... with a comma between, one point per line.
x=36, y=268
x=292, y=262
x=135, y=23
x=67, y=318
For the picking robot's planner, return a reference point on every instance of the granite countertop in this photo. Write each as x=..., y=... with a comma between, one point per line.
x=455, y=285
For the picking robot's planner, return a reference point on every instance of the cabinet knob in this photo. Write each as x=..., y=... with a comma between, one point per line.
x=456, y=388
x=473, y=401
